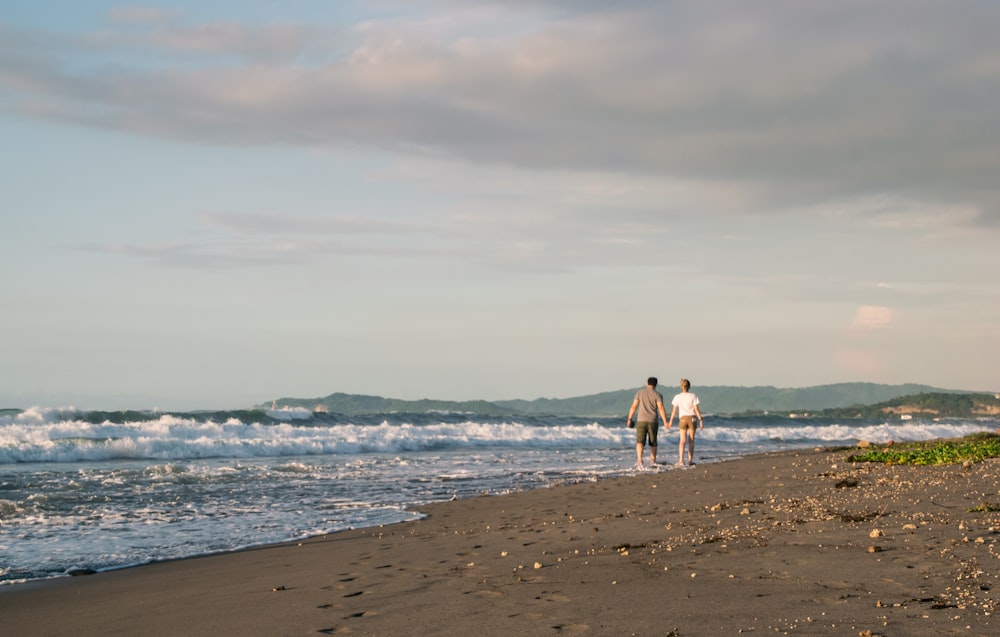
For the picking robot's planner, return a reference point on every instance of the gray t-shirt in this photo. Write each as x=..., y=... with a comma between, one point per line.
x=648, y=398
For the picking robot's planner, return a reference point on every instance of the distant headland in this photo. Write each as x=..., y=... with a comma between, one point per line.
x=843, y=400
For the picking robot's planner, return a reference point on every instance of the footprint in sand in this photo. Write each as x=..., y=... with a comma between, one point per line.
x=360, y=614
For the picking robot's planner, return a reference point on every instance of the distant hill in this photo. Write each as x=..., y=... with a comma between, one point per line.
x=730, y=400
x=714, y=400
x=358, y=404
x=928, y=405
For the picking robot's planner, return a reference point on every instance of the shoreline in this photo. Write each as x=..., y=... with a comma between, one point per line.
x=785, y=541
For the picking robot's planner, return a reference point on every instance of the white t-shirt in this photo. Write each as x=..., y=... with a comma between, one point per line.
x=685, y=402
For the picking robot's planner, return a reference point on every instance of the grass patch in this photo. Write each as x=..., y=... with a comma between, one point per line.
x=972, y=448
x=985, y=507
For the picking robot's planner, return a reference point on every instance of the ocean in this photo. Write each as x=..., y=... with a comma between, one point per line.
x=88, y=491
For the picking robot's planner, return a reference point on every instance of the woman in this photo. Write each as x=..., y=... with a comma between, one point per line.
x=686, y=403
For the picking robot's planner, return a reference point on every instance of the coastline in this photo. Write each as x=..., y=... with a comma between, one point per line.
x=792, y=541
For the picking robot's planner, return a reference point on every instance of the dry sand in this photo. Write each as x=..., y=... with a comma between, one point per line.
x=792, y=543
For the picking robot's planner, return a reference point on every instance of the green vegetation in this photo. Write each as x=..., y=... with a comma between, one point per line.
x=973, y=448
x=985, y=507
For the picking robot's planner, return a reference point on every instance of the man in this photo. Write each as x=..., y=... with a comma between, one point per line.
x=686, y=403
x=648, y=403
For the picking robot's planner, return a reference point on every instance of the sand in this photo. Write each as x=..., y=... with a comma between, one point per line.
x=791, y=543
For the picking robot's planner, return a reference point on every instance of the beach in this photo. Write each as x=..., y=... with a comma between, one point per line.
x=792, y=542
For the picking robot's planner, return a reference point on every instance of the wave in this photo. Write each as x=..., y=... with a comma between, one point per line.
x=48, y=437
x=68, y=435
x=837, y=433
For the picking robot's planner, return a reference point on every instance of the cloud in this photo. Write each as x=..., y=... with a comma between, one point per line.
x=872, y=317
x=211, y=255
x=274, y=224
x=787, y=105
x=231, y=253
x=241, y=240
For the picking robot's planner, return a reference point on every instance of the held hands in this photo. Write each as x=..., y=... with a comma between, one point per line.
x=631, y=424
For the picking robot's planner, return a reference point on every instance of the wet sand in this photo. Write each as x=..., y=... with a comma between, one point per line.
x=790, y=543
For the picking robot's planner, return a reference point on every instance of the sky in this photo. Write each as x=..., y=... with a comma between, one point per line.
x=214, y=204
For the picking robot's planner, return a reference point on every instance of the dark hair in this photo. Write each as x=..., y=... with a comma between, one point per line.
x=685, y=384
x=652, y=381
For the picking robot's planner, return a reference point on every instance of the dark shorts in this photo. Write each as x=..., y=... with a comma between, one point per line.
x=645, y=432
